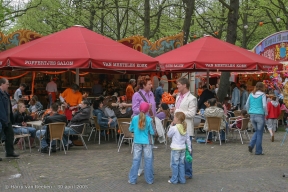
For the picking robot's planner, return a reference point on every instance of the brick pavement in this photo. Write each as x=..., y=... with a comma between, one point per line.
x=229, y=167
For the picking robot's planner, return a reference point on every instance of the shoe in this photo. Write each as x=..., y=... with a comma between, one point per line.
x=259, y=154
x=131, y=183
x=169, y=181
x=44, y=150
x=12, y=155
x=272, y=138
x=0, y=159
x=250, y=149
x=187, y=177
x=170, y=176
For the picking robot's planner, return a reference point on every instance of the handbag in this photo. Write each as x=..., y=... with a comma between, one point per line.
x=188, y=156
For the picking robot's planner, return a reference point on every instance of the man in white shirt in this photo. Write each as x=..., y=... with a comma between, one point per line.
x=186, y=103
x=18, y=92
x=51, y=89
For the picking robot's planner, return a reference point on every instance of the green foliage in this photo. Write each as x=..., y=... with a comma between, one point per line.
x=121, y=18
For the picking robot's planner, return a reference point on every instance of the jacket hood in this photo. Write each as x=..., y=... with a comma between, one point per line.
x=181, y=129
x=257, y=94
x=274, y=103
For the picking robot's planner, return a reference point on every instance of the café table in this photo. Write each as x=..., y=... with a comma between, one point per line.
x=37, y=125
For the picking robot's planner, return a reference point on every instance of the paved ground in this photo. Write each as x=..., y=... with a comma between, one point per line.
x=229, y=167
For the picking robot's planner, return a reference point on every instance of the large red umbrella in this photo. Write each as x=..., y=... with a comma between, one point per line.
x=209, y=53
x=76, y=47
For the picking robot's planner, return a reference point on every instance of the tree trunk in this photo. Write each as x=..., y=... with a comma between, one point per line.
x=230, y=38
x=147, y=19
x=189, y=9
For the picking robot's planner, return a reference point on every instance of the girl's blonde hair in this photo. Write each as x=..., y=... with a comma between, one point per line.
x=181, y=117
x=142, y=121
x=20, y=105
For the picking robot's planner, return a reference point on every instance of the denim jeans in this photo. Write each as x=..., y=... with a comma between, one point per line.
x=222, y=135
x=177, y=166
x=65, y=136
x=258, y=122
x=148, y=160
x=43, y=141
x=188, y=166
x=26, y=130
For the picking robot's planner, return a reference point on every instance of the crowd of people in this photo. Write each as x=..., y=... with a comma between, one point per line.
x=143, y=106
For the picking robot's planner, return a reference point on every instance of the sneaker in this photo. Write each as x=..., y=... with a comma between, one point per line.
x=131, y=183
x=169, y=181
x=259, y=154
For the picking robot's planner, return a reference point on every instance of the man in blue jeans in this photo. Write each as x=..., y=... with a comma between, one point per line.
x=186, y=103
x=79, y=118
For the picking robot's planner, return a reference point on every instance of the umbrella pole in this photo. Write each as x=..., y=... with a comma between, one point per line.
x=192, y=83
x=207, y=79
x=77, y=76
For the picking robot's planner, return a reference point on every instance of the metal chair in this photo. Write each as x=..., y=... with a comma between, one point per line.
x=97, y=128
x=280, y=118
x=80, y=134
x=214, y=124
x=119, y=121
x=56, y=131
x=243, y=128
x=22, y=135
x=126, y=134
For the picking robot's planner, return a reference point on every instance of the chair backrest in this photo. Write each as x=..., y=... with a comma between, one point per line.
x=121, y=120
x=56, y=130
x=214, y=123
x=96, y=123
x=125, y=130
x=237, y=113
x=245, y=122
x=79, y=128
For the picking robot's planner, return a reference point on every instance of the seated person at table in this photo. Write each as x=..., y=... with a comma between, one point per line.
x=109, y=112
x=48, y=111
x=21, y=117
x=35, y=105
x=53, y=117
x=213, y=111
x=102, y=119
x=85, y=94
x=79, y=117
x=163, y=112
x=238, y=122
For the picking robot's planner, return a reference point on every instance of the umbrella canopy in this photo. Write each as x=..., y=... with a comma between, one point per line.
x=76, y=47
x=209, y=53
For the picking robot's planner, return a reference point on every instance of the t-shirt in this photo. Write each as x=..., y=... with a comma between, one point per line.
x=72, y=98
x=51, y=87
x=17, y=94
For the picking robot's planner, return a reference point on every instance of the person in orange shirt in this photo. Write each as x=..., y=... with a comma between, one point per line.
x=200, y=90
x=130, y=90
x=72, y=98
